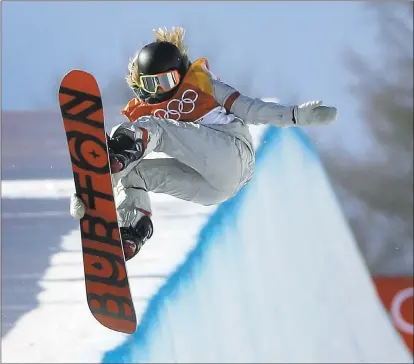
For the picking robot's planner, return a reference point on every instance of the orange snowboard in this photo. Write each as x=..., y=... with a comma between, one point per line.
x=107, y=288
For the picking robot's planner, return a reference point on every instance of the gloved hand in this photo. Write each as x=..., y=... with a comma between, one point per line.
x=312, y=113
x=77, y=207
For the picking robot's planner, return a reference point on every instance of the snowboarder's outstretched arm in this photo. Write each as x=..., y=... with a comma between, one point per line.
x=256, y=111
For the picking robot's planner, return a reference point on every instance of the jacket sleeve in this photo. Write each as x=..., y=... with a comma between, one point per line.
x=252, y=111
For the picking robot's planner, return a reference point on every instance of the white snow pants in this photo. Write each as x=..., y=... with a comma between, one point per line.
x=207, y=166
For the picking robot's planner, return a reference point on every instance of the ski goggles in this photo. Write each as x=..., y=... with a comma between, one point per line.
x=166, y=81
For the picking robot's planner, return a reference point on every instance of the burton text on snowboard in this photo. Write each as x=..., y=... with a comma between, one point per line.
x=107, y=288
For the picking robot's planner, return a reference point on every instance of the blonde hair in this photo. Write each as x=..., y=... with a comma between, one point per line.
x=174, y=36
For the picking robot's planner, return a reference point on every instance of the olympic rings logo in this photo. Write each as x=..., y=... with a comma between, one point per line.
x=175, y=108
x=396, y=305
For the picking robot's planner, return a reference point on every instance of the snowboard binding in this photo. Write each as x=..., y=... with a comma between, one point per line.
x=134, y=238
x=123, y=151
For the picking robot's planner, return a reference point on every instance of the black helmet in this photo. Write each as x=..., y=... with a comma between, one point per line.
x=156, y=58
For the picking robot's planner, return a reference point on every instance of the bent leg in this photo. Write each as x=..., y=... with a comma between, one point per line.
x=170, y=176
x=213, y=154
x=218, y=157
x=131, y=198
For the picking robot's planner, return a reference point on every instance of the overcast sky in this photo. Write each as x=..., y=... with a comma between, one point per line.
x=290, y=50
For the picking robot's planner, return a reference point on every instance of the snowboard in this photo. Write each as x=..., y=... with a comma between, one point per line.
x=106, y=279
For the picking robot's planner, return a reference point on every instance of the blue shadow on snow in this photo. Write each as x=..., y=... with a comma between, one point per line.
x=184, y=272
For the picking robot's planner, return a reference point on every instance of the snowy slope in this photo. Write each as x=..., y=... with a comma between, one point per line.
x=271, y=275
x=36, y=211
x=62, y=315
x=275, y=277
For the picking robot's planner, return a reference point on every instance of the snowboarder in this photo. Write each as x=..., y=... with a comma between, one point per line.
x=183, y=110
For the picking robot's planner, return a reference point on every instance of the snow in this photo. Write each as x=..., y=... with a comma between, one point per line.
x=61, y=315
x=273, y=275
x=176, y=226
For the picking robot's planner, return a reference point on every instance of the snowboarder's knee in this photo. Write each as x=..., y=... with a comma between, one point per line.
x=215, y=196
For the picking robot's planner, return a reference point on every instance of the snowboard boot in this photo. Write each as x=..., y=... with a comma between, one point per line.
x=133, y=238
x=125, y=149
